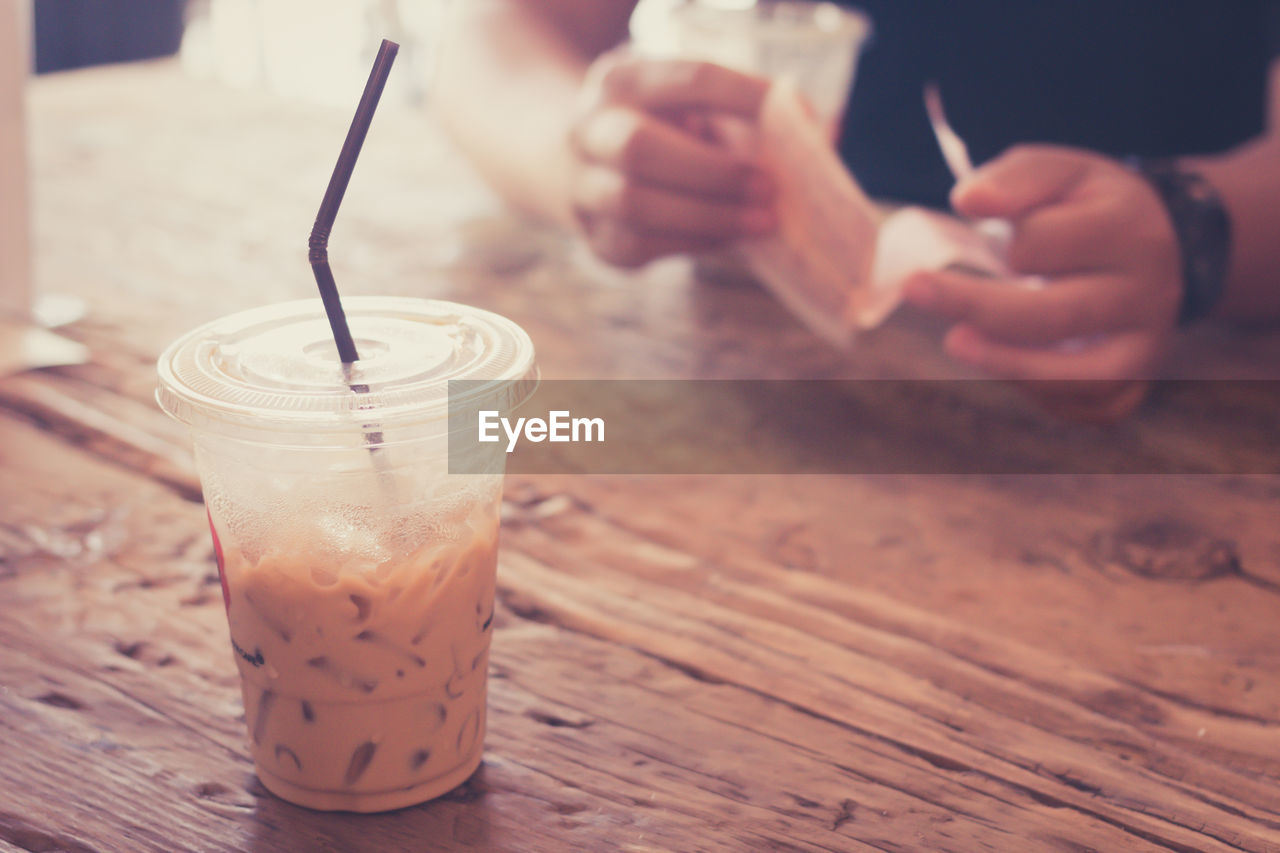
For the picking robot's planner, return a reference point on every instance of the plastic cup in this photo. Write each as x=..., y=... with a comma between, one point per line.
x=815, y=45
x=358, y=574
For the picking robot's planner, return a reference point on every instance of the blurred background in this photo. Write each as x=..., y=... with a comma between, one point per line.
x=306, y=49
x=316, y=50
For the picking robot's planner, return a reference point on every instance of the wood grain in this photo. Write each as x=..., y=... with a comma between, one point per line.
x=694, y=664
x=119, y=666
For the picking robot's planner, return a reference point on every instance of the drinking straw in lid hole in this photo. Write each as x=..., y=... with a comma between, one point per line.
x=318, y=243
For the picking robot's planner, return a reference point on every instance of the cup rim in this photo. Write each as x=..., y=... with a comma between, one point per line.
x=196, y=387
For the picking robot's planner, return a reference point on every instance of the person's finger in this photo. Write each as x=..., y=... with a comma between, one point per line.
x=659, y=153
x=609, y=194
x=1020, y=180
x=623, y=246
x=1074, y=307
x=1072, y=237
x=1125, y=355
x=653, y=84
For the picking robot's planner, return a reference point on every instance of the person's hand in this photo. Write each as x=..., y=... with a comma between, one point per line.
x=1086, y=342
x=643, y=182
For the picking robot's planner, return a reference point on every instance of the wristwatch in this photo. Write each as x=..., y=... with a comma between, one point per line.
x=1203, y=229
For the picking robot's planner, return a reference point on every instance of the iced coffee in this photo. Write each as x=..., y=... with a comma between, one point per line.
x=358, y=574
x=365, y=690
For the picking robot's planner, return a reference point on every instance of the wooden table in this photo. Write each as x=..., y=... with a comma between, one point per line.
x=680, y=664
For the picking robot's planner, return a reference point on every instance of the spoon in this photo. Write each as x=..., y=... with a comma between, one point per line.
x=997, y=232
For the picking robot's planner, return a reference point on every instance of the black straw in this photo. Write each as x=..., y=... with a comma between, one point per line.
x=318, y=244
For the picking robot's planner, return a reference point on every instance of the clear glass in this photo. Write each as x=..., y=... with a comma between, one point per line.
x=815, y=45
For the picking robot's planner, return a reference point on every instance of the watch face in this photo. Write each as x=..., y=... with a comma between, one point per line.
x=1203, y=229
x=1206, y=250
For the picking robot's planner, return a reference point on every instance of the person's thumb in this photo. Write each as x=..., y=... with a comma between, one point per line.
x=1019, y=181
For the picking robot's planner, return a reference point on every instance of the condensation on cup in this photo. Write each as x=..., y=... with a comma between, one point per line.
x=357, y=572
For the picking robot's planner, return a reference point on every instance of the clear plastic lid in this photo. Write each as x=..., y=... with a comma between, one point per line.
x=275, y=370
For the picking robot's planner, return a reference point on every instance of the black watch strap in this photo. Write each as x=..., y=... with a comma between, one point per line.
x=1203, y=228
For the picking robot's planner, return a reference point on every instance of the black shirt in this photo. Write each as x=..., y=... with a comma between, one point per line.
x=1121, y=77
